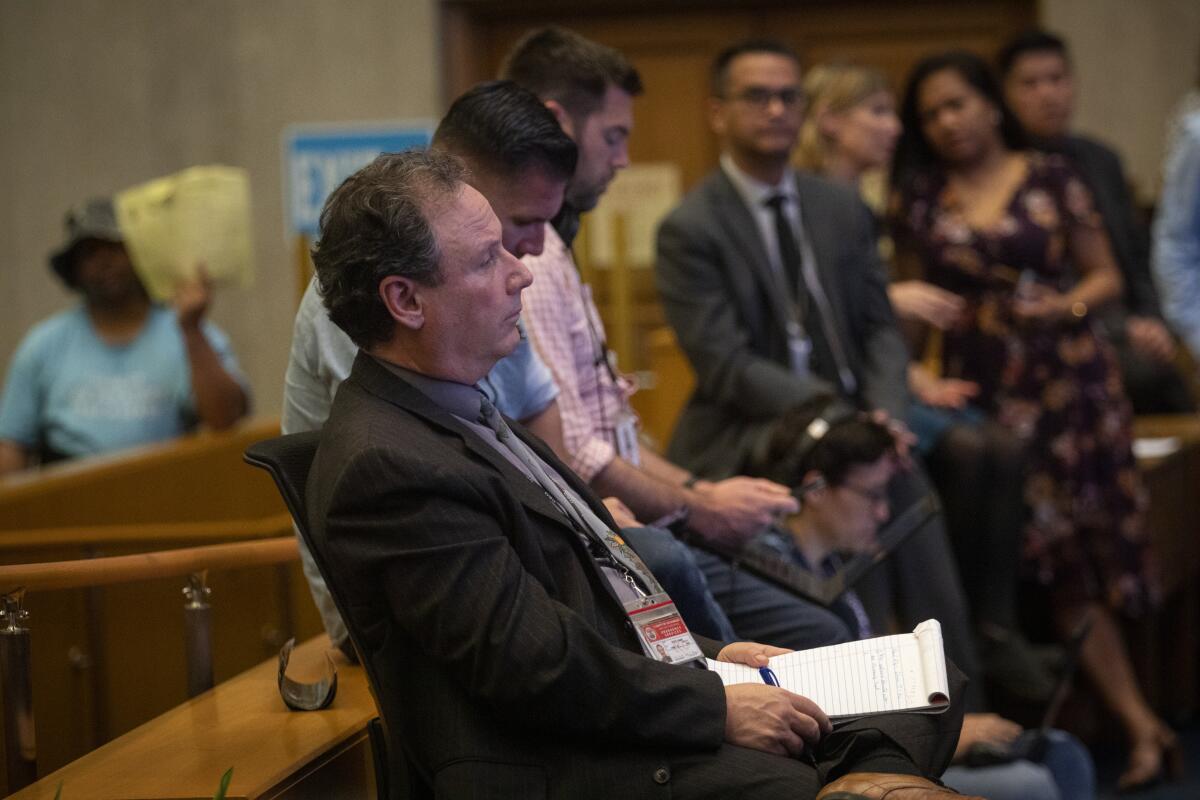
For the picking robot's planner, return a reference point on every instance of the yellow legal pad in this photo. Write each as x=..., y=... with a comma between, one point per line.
x=200, y=216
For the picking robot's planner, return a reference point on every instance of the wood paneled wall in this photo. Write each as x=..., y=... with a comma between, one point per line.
x=672, y=44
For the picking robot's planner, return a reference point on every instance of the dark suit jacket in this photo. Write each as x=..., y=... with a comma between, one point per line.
x=1154, y=387
x=1101, y=169
x=502, y=659
x=715, y=282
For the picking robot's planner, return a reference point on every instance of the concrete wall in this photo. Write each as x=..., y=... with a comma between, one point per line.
x=96, y=96
x=1134, y=60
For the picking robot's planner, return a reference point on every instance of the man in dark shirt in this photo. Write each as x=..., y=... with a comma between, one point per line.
x=1039, y=86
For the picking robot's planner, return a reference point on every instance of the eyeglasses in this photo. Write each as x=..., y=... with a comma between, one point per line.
x=761, y=97
x=875, y=497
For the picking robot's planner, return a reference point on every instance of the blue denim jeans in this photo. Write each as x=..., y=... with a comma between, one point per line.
x=762, y=612
x=1065, y=772
x=673, y=565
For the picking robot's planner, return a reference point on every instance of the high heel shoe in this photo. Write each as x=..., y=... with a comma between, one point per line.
x=1153, y=758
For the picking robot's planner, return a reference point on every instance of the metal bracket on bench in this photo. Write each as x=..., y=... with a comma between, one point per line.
x=306, y=696
x=20, y=743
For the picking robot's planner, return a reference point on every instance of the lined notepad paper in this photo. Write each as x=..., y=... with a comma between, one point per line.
x=905, y=672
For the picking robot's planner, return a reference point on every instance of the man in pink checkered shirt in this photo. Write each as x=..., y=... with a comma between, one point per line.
x=590, y=89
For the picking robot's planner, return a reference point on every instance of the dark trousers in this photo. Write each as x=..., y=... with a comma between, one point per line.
x=911, y=744
x=762, y=612
x=1152, y=386
x=920, y=581
x=980, y=471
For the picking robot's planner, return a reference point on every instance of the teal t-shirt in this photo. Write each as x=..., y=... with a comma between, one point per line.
x=73, y=393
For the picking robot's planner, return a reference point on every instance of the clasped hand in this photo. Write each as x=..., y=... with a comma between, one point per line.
x=940, y=392
x=1150, y=338
x=1038, y=303
x=924, y=302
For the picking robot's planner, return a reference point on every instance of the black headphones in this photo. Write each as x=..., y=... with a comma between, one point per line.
x=835, y=413
x=805, y=488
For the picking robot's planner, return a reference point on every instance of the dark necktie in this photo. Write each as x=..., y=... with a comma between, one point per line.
x=808, y=301
x=789, y=252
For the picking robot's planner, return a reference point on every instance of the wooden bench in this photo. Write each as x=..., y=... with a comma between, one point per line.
x=1165, y=645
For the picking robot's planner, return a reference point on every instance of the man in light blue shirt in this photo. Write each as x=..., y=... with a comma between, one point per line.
x=117, y=370
x=1176, y=258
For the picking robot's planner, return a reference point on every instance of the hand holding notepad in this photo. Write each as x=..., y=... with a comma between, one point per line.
x=905, y=672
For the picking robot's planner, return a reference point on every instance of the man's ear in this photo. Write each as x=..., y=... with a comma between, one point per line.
x=564, y=119
x=402, y=298
x=716, y=117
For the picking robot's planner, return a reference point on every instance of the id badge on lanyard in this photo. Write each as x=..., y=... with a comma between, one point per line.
x=799, y=348
x=626, y=435
x=661, y=630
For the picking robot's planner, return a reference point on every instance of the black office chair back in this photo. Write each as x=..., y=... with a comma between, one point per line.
x=288, y=459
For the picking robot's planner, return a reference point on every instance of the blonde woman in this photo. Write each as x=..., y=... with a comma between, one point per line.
x=849, y=135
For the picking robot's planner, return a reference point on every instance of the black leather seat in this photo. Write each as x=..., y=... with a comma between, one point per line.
x=288, y=460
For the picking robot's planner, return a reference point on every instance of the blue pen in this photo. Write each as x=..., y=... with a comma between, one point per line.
x=768, y=676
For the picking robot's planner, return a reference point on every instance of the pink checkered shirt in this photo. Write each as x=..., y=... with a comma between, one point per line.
x=557, y=310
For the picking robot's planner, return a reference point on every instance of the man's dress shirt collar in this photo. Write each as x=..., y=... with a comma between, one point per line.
x=755, y=194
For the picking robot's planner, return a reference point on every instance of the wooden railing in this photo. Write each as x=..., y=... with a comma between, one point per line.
x=93, y=572
x=16, y=669
x=106, y=657
x=142, y=533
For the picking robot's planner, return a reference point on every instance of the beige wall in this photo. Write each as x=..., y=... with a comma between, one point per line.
x=1134, y=60
x=95, y=96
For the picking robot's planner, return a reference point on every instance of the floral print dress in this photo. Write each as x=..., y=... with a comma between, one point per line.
x=1054, y=385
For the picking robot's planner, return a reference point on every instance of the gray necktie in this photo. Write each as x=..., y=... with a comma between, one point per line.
x=568, y=502
x=810, y=295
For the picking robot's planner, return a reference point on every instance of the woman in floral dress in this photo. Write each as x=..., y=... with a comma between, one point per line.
x=1014, y=233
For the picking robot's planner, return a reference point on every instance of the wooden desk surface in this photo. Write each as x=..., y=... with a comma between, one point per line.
x=1184, y=426
x=1173, y=483
x=241, y=723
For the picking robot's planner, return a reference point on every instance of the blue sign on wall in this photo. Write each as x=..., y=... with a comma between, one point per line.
x=319, y=157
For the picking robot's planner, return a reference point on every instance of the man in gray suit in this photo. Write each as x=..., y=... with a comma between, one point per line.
x=483, y=582
x=773, y=284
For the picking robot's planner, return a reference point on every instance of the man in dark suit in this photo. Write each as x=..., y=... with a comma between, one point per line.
x=482, y=580
x=1039, y=87
x=773, y=284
